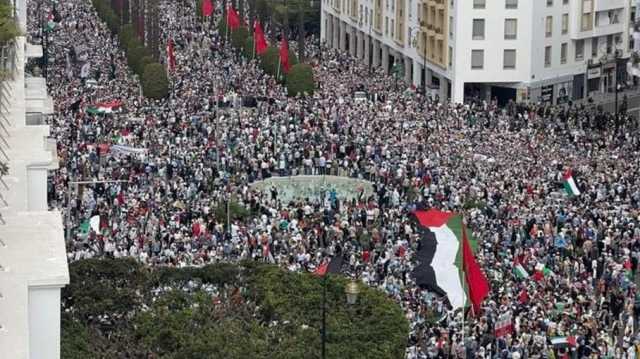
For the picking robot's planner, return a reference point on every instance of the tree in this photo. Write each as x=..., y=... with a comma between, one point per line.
x=239, y=37
x=300, y=80
x=154, y=81
x=269, y=60
x=249, y=310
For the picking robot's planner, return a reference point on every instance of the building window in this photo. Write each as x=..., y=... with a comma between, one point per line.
x=450, y=56
x=392, y=27
x=478, y=29
x=565, y=2
x=510, y=29
x=386, y=25
x=477, y=59
x=594, y=47
x=511, y=4
x=587, y=21
x=563, y=53
x=509, y=59
x=579, y=50
x=451, y=27
x=565, y=23
x=479, y=4
x=549, y=3
x=548, y=26
x=547, y=56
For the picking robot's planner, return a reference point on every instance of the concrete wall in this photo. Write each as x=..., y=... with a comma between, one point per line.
x=37, y=189
x=44, y=322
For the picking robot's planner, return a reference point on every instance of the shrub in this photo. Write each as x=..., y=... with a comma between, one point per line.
x=155, y=84
x=135, y=53
x=247, y=49
x=239, y=37
x=127, y=35
x=269, y=60
x=300, y=80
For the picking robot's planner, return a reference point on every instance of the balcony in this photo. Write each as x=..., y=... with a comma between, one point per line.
x=603, y=5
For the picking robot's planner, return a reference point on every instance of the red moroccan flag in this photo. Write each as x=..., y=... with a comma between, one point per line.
x=207, y=8
x=233, y=20
x=171, y=58
x=477, y=284
x=260, y=41
x=284, y=55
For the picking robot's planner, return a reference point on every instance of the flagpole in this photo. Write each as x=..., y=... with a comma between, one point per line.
x=254, y=40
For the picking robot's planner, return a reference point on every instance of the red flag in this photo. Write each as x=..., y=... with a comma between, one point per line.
x=284, y=55
x=207, y=8
x=322, y=269
x=476, y=281
x=258, y=36
x=171, y=57
x=233, y=20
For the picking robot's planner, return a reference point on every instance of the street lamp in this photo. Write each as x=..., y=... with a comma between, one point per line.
x=352, y=290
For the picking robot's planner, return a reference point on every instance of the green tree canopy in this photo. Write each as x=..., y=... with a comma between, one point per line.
x=154, y=81
x=300, y=80
x=249, y=310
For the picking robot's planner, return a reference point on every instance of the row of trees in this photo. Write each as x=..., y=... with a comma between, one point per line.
x=119, y=308
x=299, y=80
x=141, y=59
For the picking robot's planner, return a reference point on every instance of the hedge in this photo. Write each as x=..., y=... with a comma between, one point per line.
x=300, y=80
x=112, y=308
x=155, y=84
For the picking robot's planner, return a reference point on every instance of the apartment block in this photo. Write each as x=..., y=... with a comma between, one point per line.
x=550, y=51
x=33, y=262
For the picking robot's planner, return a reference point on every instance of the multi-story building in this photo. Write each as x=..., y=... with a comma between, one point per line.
x=527, y=50
x=33, y=262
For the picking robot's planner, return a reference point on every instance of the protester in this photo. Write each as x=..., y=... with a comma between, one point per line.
x=183, y=158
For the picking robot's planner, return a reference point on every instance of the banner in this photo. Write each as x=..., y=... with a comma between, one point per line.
x=126, y=150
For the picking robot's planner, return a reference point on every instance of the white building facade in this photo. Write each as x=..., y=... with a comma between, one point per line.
x=33, y=264
x=549, y=51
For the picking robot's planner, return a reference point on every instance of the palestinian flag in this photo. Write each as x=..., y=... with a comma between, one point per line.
x=542, y=271
x=446, y=262
x=564, y=341
x=51, y=24
x=504, y=325
x=520, y=272
x=570, y=184
x=104, y=107
x=333, y=265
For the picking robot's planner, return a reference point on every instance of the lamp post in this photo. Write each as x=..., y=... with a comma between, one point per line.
x=352, y=291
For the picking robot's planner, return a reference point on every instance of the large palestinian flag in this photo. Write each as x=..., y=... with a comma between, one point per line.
x=446, y=262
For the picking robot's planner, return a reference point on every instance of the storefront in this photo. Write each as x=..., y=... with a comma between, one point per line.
x=593, y=79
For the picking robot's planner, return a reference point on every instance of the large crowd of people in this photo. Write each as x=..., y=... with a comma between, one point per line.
x=501, y=167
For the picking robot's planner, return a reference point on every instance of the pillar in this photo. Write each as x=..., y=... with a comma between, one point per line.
x=367, y=52
x=417, y=77
x=336, y=32
x=376, y=53
x=457, y=91
x=353, y=44
x=343, y=37
x=444, y=89
x=359, y=45
x=385, y=58
x=407, y=69
x=328, y=29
